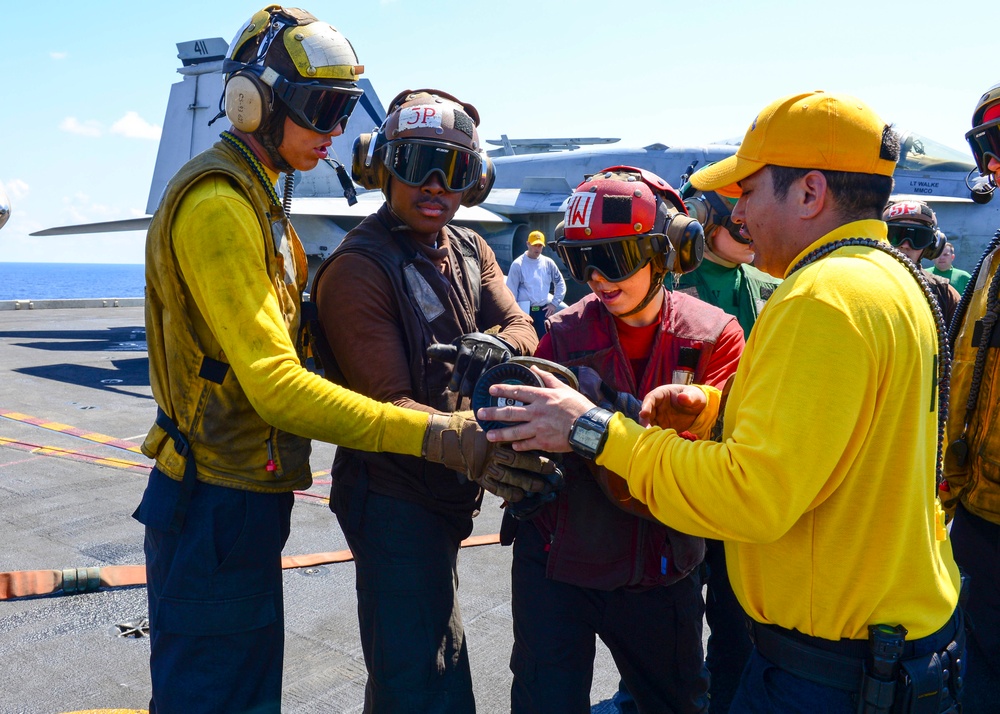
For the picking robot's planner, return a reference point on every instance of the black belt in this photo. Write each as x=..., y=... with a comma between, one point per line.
x=835, y=663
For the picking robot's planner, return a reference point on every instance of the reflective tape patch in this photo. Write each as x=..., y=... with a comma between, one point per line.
x=578, y=210
x=422, y=116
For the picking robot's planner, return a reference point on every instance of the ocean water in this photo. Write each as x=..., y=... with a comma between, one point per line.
x=49, y=281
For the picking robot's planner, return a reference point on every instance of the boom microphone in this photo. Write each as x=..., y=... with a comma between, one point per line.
x=981, y=188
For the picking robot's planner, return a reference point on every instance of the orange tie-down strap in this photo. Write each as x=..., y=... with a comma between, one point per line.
x=34, y=583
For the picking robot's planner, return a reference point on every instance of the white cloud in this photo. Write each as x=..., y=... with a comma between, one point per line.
x=15, y=189
x=73, y=125
x=81, y=208
x=58, y=55
x=134, y=126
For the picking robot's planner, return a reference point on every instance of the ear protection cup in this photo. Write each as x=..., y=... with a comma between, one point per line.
x=936, y=248
x=367, y=167
x=697, y=209
x=248, y=101
x=478, y=193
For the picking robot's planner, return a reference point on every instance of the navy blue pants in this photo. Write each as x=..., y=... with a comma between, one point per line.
x=767, y=689
x=976, y=544
x=216, y=620
x=412, y=636
x=654, y=637
x=538, y=318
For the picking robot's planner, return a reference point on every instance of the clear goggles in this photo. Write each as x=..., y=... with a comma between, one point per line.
x=614, y=258
x=413, y=161
x=985, y=143
x=319, y=107
x=919, y=237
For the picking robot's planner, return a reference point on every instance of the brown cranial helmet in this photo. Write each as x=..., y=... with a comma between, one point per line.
x=427, y=131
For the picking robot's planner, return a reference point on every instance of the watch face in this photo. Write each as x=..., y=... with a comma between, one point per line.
x=587, y=438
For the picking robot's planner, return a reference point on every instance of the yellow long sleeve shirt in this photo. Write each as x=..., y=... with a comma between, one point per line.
x=237, y=314
x=823, y=487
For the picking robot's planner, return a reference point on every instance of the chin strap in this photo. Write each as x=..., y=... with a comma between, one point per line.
x=656, y=277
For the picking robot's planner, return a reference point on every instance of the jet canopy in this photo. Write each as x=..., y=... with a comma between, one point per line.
x=918, y=153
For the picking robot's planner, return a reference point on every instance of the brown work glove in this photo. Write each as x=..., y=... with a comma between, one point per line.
x=457, y=442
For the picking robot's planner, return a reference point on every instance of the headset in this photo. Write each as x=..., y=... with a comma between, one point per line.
x=710, y=210
x=248, y=100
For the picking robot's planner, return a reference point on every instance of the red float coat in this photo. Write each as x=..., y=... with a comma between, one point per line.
x=599, y=536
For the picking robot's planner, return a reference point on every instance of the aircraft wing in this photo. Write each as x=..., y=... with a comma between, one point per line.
x=369, y=202
x=536, y=195
x=129, y=224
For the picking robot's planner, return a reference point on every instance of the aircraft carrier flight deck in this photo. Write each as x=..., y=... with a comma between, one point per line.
x=75, y=405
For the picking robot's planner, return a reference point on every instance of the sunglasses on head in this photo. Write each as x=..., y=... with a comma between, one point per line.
x=614, y=258
x=316, y=106
x=919, y=237
x=985, y=143
x=413, y=162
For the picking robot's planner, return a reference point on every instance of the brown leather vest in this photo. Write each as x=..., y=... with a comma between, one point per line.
x=431, y=309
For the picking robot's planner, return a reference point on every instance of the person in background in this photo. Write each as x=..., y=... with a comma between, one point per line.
x=831, y=428
x=537, y=284
x=726, y=277
x=425, y=282
x=972, y=458
x=236, y=408
x=913, y=230
x=943, y=267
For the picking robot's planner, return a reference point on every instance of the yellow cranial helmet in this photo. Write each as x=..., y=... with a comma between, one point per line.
x=286, y=54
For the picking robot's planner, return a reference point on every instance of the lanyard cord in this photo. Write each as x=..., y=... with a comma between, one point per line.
x=989, y=322
x=256, y=168
x=943, y=359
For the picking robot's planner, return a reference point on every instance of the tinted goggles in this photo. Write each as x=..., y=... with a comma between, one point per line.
x=919, y=237
x=985, y=143
x=615, y=259
x=318, y=107
x=413, y=162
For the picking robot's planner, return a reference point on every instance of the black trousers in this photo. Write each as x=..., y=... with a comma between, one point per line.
x=976, y=544
x=729, y=643
x=654, y=636
x=407, y=584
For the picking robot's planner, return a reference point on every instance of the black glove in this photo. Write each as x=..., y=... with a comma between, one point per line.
x=604, y=396
x=529, y=506
x=472, y=354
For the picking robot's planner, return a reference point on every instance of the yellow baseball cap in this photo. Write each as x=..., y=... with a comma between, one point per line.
x=536, y=238
x=816, y=130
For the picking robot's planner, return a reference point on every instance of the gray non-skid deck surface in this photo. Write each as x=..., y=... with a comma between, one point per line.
x=87, y=369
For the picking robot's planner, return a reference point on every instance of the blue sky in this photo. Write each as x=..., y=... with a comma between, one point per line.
x=86, y=85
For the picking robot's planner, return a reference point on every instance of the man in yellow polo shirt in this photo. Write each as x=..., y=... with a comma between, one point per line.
x=823, y=486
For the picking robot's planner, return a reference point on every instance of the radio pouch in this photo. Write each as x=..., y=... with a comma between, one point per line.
x=922, y=685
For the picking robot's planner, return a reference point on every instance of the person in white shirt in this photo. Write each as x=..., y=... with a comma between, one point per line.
x=536, y=282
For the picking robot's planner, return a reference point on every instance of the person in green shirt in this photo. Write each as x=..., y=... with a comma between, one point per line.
x=725, y=277
x=942, y=267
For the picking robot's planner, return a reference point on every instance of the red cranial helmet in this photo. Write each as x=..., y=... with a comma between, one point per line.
x=623, y=218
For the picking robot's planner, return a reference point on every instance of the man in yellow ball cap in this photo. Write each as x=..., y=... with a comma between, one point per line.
x=536, y=282
x=823, y=485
